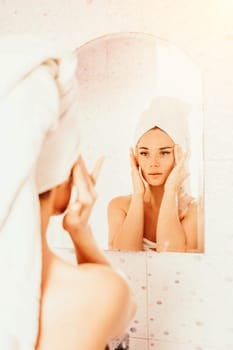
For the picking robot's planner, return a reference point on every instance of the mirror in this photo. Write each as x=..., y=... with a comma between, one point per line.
x=119, y=75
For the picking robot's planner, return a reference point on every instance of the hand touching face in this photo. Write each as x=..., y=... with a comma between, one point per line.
x=179, y=172
x=137, y=179
x=155, y=156
x=79, y=211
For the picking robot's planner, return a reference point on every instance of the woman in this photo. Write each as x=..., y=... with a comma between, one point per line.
x=159, y=215
x=91, y=290
x=45, y=302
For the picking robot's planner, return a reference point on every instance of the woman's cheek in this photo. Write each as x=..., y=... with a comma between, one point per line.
x=142, y=170
x=140, y=162
x=170, y=164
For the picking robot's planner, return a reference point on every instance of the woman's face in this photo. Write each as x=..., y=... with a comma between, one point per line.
x=155, y=156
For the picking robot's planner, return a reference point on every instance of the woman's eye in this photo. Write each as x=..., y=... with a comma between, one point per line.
x=165, y=153
x=144, y=154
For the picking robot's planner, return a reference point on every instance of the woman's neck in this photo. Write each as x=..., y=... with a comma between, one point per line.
x=154, y=195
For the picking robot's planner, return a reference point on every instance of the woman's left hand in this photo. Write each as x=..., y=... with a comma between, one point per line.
x=78, y=213
x=179, y=173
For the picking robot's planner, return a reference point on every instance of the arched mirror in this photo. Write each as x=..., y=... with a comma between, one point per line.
x=119, y=75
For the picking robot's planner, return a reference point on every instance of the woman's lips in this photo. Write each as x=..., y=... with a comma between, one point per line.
x=154, y=174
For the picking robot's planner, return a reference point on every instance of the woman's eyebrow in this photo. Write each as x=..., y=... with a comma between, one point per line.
x=160, y=148
x=167, y=147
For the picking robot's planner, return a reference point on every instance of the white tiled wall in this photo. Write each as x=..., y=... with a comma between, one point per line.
x=185, y=301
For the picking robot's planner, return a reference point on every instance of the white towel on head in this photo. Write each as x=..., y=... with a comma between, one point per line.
x=169, y=114
x=39, y=144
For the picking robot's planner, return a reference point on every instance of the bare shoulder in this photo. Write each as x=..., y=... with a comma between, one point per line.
x=110, y=300
x=118, y=302
x=120, y=202
x=87, y=275
x=118, y=208
x=91, y=273
x=107, y=298
x=102, y=282
x=91, y=292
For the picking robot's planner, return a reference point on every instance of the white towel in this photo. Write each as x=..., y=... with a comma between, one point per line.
x=39, y=144
x=169, y=114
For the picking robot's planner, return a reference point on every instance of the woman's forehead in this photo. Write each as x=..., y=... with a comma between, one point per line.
x=155, y=138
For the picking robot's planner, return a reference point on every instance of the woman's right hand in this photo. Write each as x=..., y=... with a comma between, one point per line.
x=138, y=183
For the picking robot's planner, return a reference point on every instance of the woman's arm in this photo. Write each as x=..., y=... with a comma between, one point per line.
x=126, y=229
x=75, y=221
x=119, y=306
x=126, y=222
x=174, y=234
x=193, y=226
x=86, y=248
x=171, y=235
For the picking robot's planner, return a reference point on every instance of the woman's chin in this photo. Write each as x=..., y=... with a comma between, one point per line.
x=154, y=180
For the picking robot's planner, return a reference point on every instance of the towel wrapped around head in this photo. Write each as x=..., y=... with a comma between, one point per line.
x=170, y=114
x=39, y=144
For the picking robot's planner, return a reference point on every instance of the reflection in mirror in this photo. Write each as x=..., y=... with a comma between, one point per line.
x=119, y=76
x=160, y=214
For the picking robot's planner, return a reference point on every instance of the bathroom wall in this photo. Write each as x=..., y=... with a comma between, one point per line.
x=185, y=301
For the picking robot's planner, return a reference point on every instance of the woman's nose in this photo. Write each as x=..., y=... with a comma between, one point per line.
x=154, y=161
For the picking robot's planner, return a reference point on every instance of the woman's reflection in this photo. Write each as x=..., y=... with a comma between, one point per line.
x=160, y=214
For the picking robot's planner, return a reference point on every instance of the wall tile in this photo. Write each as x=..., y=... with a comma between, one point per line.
x=155, y=345
x=189, y=299
x=218, y=207
x=217, y=300
x=175, y=294
x=138, y=344
x=218, y=74
x=66, y=253
x=218, y=123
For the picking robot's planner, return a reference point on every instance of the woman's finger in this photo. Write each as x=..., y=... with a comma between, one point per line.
x=87, y=178
x=77, y=214
x=133, y=159
x=75, y=207
x=85, y=192
x=83, y=183
x=180, y=156
x=96, y=171
x=178, y=153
